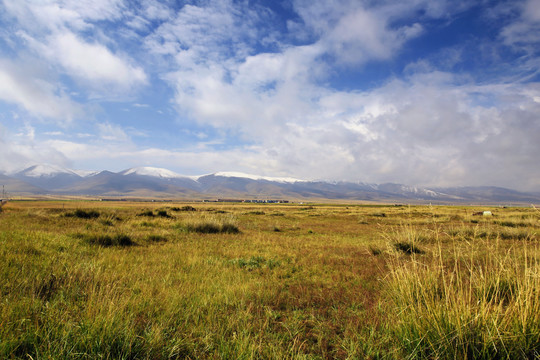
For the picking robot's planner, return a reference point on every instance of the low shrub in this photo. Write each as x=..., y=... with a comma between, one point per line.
x=84, y=214
x=184, y=208
x=407, y=248
x=120, y=240
x=164, y=214
x=375, y=251
x=210, y=225
x=212, y=228
x=204, y=228
x=148, y=213
x=229, y=229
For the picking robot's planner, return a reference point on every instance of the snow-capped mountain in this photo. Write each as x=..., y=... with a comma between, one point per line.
x=232, y=174
x=155, y=172
x=85, y=173
x=48, y=177
x=164, y=183
x=45, y=170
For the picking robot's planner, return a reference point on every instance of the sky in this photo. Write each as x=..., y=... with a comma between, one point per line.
x=418, y=92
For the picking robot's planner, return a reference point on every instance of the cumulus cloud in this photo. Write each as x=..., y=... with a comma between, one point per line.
x=27, y=87
x=92, y=62
x=524, y=29
x=223, y=81
x=64, y=34
x=110, y=132
x=21, y=151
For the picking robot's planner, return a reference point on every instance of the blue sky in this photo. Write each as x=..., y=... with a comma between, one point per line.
x=422, y=92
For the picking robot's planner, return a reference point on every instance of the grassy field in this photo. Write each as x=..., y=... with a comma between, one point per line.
x=119, y=280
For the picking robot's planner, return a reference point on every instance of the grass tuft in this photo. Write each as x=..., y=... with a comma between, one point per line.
x=407, y=248
x=212, y=228
x=210, y=224
x=156, y=238
x=184, y=208
x=148, y=213
x=164, y=214
x=105, y=240
x=375, y=251
x=83, y=214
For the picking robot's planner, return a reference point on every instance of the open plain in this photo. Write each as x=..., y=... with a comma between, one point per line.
x=142, y=280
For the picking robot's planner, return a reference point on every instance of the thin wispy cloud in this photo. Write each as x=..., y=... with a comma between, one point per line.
x=418, y=92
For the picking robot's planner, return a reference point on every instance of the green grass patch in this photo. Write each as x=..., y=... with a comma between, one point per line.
x=255, y=262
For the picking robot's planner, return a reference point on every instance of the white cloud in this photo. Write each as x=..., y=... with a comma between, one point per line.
x=23, y=84
x=19, y=152
x=428, y=130
x=64, y=34
x=113, y=133
x=363, y=35
x=94, y=62
x=222, y=81
x=55, y=15
x=523, y=30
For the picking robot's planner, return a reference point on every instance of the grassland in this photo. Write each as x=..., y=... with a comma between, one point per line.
x=92, y=280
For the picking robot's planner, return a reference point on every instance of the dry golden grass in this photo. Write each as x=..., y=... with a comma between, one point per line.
x=297, y=281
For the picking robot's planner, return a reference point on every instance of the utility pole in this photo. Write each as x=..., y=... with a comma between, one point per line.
x=3, y=200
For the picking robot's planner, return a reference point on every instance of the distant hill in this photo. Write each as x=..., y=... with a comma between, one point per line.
x=163, y=183
x=14, y=186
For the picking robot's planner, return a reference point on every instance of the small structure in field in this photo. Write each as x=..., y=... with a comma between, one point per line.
x=482, y=213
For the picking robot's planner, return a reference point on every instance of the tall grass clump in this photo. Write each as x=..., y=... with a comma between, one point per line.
x=476, y=302
x=407, y=239
x=106, y=240
x=83, y=214
x=209, y=224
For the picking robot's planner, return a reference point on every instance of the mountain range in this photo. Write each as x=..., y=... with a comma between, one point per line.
x=151, y=182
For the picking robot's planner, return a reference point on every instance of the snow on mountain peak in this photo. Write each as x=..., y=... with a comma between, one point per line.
x=256, y=177
x=152, y=171
x=85, y=173
x=46, y=170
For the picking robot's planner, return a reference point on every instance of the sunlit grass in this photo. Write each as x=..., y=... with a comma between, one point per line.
x=268, y=281
x=473, y=297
